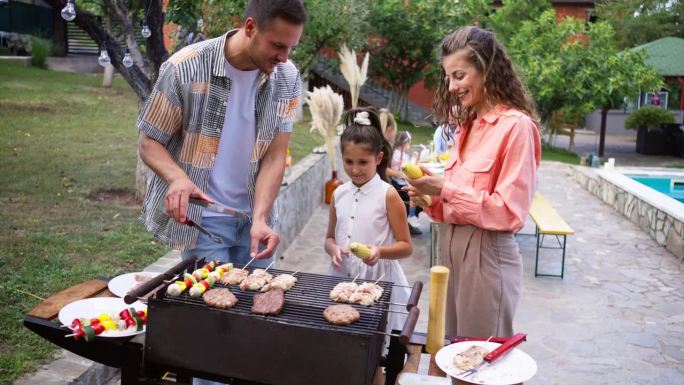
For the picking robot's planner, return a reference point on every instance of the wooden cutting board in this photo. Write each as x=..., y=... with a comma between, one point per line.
x=49, y=308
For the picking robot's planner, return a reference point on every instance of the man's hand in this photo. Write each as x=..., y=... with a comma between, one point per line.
x=429, y=184
x=176, y=201
x=263, y=235
x=337, y=256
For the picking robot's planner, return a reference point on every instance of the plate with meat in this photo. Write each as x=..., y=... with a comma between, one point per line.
x=122, y=284
x=513, y=368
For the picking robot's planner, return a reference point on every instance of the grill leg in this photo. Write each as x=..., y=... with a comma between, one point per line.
x=395, y=361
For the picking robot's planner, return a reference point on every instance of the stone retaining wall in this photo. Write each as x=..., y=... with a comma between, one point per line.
x=302, y=193
x=665, y=227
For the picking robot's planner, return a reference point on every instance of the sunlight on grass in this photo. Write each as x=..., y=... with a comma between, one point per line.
x=62, y=137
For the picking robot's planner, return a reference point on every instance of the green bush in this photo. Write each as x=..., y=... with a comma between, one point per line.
x=40, y=50
x=649, y=117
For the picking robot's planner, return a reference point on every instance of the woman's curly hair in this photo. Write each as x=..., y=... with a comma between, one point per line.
x=501, y=82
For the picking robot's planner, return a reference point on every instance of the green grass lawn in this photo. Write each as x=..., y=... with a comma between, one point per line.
x=559, y=155
x=62, y=138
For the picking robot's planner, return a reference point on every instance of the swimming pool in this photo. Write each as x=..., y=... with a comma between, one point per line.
x=670, y=185
x=652, y=198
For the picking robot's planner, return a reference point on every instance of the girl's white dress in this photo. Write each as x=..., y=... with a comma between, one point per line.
x=362, y=217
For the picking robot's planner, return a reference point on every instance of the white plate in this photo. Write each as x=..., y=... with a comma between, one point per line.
x=121, y=285
x=93, y=307
x=513, y=368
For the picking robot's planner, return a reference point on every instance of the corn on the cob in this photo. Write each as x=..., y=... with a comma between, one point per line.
x=412, y=171
x=360, y=250
x=423, y=200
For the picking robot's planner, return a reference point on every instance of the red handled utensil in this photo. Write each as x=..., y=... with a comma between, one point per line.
x=512, y=342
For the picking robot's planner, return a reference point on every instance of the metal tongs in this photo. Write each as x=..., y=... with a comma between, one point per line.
x=219, y=208
x=214, y=207
x=206, y=232
x=509, y=344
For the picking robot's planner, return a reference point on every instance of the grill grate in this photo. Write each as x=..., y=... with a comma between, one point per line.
x=304, y=303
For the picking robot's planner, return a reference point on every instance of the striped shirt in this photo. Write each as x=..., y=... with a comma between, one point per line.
x=185, y=112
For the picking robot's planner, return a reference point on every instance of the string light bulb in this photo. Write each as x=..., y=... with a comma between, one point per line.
x=103, y=59
x=127, y=60
x=69, y=11
x=145, y=31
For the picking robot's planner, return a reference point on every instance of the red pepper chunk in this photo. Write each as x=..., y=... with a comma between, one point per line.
x=125, y=314
x=78, y=333
x=98, y=329
x=76, y=324
x=205, y=284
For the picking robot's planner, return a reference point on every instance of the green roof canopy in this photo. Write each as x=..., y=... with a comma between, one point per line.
x=666, y=55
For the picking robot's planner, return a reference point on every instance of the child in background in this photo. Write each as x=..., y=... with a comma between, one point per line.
x=367, y=210
x=400, y=155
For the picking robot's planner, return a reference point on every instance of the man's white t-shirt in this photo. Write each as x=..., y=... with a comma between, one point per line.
x=228, y=180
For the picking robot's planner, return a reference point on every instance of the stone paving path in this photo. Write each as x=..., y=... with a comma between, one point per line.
x=616, y=318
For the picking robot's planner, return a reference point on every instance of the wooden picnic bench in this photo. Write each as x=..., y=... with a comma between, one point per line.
x=548, y=222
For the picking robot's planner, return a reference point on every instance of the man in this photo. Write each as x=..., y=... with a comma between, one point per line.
x=216, y=127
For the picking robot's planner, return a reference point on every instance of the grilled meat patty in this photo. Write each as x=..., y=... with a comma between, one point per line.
x=269, y=303
x=341, y=314
x=470, y=357
x=220, y=298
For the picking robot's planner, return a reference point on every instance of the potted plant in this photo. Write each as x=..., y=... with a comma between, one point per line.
x=651, y=140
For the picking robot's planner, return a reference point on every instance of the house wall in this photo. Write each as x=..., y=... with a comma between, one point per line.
x=576, y=10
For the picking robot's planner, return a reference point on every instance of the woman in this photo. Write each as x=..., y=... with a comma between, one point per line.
x=489, y=181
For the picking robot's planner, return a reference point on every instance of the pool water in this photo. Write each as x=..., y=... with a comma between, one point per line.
x=670, y=186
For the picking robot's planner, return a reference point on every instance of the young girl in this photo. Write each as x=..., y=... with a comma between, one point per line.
x=369, y=211
x=400, y=155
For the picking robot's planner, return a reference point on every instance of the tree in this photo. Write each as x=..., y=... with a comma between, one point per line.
x=404, y=37
x=506, y=20
x=615, y=75
x=142, y=75
x=637, y=21
x=574, y=67
x=330, y=23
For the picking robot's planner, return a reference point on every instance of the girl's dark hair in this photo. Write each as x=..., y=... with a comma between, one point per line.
x=501, y=82
x=369, y=135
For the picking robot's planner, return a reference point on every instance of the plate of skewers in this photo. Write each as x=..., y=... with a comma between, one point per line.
x=103, y=317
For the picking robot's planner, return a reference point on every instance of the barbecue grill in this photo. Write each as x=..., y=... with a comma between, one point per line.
x=186, y=337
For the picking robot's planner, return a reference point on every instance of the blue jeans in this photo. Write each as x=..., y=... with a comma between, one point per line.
x=236, y=242
x=235, y=249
